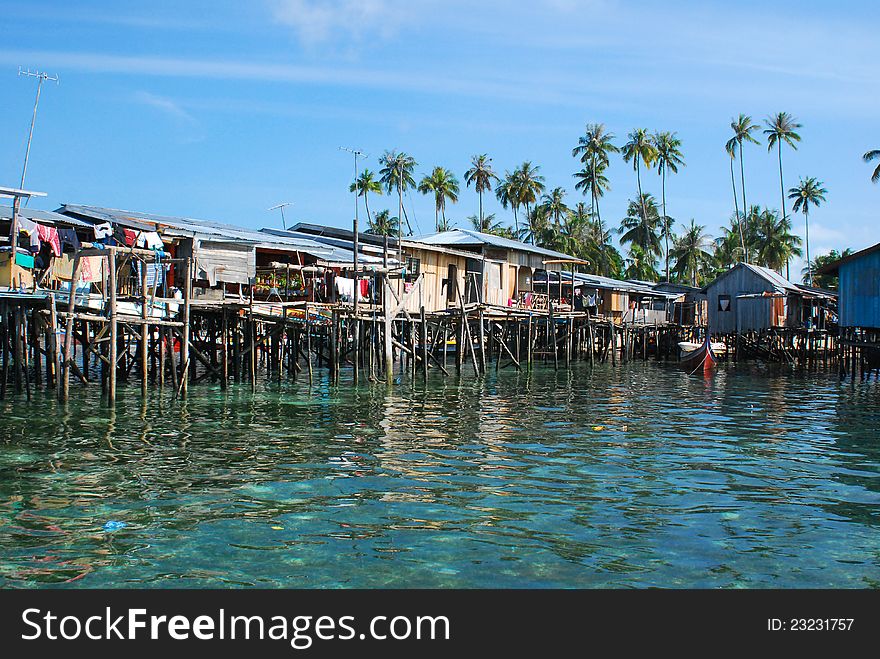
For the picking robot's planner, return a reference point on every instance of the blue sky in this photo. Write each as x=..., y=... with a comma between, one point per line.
x=222, y=109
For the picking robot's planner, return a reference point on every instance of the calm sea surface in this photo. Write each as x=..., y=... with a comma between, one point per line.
x=632, y=476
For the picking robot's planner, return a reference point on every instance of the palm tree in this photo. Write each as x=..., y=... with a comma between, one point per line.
x=873, y=154
x=728, y=246
x=603, y=256
x=669, y=157
x=640, y=149
x=536, y=227
x=506, y=193
x=731, y=147
x=782, y=128
x=594, y=148
x=444, y=186
x=365, y=184
x=642, y=229
x=775, y=244
x=742, y=128
x=481, y=175
x=384, y=225
x=829, y=282
x=529, y=186
x=397, y=173
x=693, y=260
x=642, y=266
x=554, y=206
x=487, y=224
x=809, y=192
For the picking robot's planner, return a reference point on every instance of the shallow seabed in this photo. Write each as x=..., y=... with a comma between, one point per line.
x=631, y=476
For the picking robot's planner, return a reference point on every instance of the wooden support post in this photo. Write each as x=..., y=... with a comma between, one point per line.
x=145, y=331
x=184, y=344
x=114, y=325
x=224, y=349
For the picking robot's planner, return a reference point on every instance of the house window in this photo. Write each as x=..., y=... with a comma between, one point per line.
x=723, y=303
x=413, y=269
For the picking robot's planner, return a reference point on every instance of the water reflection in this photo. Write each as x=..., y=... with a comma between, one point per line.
x=633, y=476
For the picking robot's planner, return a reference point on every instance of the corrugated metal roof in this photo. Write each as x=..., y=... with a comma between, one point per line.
x=41, y=216
x=469, y=237
x=598, y=281
x=779, y=283
x=211, y=230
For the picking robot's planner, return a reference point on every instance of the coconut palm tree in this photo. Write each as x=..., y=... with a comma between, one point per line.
x=536, y=227
x=639, y=149
x=554, y=206
x=642, y=229
x=603, y=256
x=808, y=192
x=775, y=244
x=782, y=128
x=594, y=148
x=506, y=193
x=444, y=186
x=365, y=184
x=396, y=173
x=669, y=157
x=529, y=186
x=829, y=282
x=487, y=224
x=384, y=225
x=743, y=128
x=692, y=254
x=642, y=266
x=728, y=246
x=481, y=175
x=873, y=154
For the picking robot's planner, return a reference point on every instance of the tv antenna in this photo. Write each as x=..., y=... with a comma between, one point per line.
x=41, y=76
x=357, y=153
x=281, y=207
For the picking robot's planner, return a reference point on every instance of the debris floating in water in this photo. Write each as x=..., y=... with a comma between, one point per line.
x=114, y=525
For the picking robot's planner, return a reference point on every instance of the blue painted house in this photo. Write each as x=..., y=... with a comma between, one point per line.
x=858, y=288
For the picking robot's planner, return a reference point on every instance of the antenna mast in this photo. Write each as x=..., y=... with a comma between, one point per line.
x=281, y=206
x=40, y=76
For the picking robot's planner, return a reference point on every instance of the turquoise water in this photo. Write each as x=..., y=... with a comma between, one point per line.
x=632, y=476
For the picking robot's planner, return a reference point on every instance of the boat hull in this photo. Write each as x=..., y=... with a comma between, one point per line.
x=700, y=358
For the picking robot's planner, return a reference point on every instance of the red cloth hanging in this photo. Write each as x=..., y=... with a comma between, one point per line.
x=365, y=287
x=50, y=235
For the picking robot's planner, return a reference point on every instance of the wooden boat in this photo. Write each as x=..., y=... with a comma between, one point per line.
x=698, y=356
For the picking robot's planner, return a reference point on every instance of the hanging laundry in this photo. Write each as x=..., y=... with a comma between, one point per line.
x=129, y=237
x=103, y=230
x=365, y=289
x=27, y=226
x=345, y=289
x=50, y=235
x=68, y=238
x=149, y=240
x=62, y=268
x=92, y=269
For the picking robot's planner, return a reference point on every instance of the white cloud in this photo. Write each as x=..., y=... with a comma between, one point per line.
x=186, y=124
x=164, y=105
x=316, y=21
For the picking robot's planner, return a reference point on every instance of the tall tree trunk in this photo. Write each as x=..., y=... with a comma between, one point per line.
x=782, y=194
x=642, y=203
x=742, y=177
x=665, y=222
x=742, y=239
x=481, y=207
x=367, y=206
x=809, y=263
x=515, y=222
